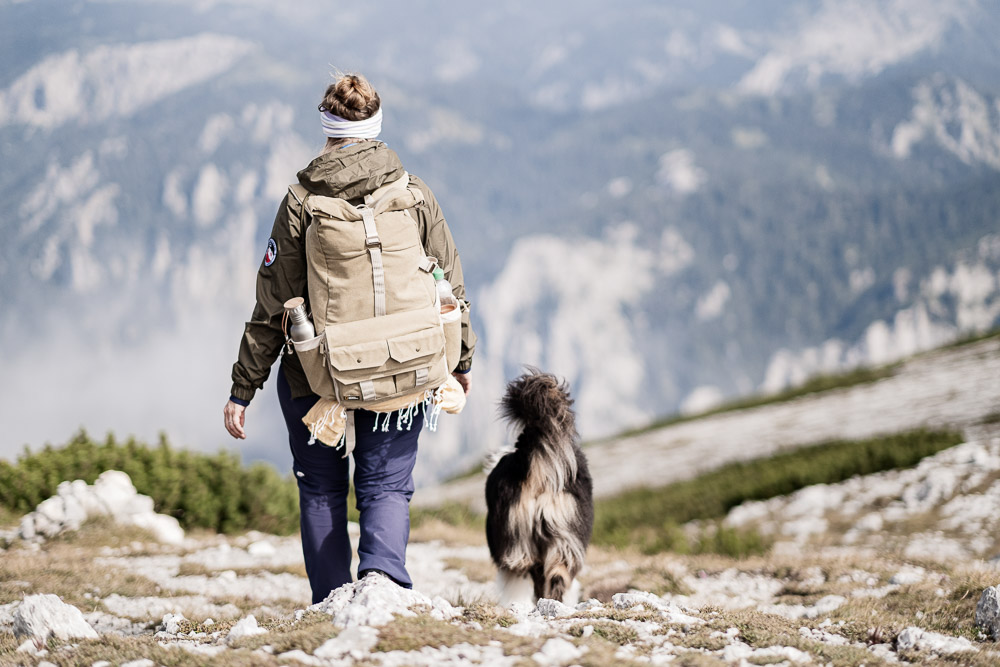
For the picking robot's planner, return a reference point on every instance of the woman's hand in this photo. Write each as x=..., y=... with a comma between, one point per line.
x=464, y=380
x=235, y=418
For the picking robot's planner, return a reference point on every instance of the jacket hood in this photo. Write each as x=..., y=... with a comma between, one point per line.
x=352, y=172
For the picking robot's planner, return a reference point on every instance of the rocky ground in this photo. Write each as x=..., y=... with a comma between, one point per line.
x=897, y=567
x=822, y=596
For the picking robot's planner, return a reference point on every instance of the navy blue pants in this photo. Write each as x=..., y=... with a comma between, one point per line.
x=383, y=486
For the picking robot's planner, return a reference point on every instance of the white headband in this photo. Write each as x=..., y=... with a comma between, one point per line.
x=339, y=128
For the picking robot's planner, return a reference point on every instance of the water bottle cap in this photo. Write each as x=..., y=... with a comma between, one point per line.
x=438, y=273
x=294, y=303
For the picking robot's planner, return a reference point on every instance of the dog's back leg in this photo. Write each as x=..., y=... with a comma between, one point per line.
x=557, y=580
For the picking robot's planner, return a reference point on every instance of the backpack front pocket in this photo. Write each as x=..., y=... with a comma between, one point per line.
x=312, y=355
x=374, y=371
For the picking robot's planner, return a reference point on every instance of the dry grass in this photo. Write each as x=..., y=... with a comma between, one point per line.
x=489, y=615
x=199, y=569
x=307, y=634
x=696, y=659
x=601, y=653
x=68, y=570
x=951, y=613
x=616, y=633
x=761, y=630
x=118, y=650
x=411, y=633
x=8, y=643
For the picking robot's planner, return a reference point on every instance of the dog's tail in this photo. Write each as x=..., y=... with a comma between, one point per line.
x=540, y=401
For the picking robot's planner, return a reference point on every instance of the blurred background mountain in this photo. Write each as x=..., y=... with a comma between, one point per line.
x=668, y=204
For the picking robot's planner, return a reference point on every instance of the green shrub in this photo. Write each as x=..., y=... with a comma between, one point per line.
x=212, y=491
x=649, y=518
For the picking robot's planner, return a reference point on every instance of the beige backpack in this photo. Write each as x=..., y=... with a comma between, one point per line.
x=373, y=299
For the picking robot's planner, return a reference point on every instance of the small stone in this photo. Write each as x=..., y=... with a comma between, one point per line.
x=553, y=608
x=28, y=647
x=261, y=549
x=917, y=639
x=101, y=663
x=558, y=651
x=245, y=627
x=637, y=598
x=588, y=630
x=171, y=623
x=141, y=662
x=988, y=612
x=908, y=576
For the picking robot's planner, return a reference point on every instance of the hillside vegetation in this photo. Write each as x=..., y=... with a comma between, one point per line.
x=214, y=491
x=650, y=518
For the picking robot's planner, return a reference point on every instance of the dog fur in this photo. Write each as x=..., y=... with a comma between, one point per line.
x=539, y=497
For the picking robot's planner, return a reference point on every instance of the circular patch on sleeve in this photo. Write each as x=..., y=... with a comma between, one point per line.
x=272, y=252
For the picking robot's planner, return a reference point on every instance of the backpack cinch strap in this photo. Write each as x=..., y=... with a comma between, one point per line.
x=374, y=246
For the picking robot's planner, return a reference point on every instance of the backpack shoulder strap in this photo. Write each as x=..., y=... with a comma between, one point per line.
x=299, y=195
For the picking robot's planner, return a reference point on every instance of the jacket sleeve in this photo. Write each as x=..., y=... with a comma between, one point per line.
x=439, y=243
x=283, y=279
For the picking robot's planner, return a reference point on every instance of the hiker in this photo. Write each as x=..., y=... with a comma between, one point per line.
x=352, y=164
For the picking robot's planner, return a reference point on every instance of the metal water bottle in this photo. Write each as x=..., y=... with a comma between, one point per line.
x=301, y=329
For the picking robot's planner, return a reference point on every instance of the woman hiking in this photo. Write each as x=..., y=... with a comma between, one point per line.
x=352, y=164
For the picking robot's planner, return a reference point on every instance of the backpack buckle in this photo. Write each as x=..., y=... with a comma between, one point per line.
x=373, y=242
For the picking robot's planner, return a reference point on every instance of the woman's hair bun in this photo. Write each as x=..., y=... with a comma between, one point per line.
x=351, y=97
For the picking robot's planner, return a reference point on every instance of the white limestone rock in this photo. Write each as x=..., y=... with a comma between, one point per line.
x=354, y=642
x=558, y=651
x=988, y=612
x=300, y=656
x=823, y=606
x=935, y=546
x=29, y=646
x=45, y=615
x=245, y=627
x=261, y=549
x=908, y=576
x=171, y=623
x=108, y=624
x=917, y=639
x=165, y=528
x=375, y=600
x=150, y=608
x=553, y=608
x=111, y=495
x=635, y=598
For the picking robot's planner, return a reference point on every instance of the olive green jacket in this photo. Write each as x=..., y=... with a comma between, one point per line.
x=349, y=173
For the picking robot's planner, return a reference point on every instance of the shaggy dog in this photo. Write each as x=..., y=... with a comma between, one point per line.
x=539, y=497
